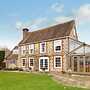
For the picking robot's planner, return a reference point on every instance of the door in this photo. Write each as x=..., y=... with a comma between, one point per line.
x=44, y=64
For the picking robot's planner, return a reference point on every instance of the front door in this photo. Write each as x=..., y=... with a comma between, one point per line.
x=44, y=64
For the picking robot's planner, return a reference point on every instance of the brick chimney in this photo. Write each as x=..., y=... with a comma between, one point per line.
x=25, y=31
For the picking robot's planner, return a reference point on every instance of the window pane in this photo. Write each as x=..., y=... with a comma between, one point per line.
x=57, y=62
x=31, y=48
x=42, y=47
x=31, y=62
x=46, y=64
x=24, y=62
x=58, y=48
x=41, y=63
x=24, y=51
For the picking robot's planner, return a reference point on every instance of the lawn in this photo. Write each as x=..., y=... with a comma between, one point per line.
x=29, y=81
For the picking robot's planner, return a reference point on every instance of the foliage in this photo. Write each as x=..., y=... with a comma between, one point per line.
x=2, y=55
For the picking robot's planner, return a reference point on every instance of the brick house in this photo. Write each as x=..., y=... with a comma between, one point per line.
x=45, y=49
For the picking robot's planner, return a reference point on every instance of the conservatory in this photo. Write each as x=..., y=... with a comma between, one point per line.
x=78, y=56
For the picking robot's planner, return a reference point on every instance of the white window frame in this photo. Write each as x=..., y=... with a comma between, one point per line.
x=22, y=49
x=43, y=59
x=41, y=47
x=31, y=46
x=25, y=62
x=29, y=62
x=55, y=61
x=57, y=43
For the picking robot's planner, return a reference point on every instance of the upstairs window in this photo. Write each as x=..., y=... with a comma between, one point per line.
x=23, y=49
x=31, y=49
x=57, y=45
x=58, y=48
x=43, y=47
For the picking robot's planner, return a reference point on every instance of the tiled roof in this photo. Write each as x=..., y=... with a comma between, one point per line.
x=56, y=31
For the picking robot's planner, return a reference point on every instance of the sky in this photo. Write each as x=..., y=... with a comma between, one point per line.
x=37, y=14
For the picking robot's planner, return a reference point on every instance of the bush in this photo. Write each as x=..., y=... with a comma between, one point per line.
x=20, y=69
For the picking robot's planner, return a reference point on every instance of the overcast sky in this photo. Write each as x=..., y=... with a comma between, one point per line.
x=36, y=14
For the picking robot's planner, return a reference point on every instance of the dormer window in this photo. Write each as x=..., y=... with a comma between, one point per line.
x=43, y=47
x=31, y=49
x=57, y=45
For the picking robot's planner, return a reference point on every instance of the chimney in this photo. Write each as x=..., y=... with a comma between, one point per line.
x=25, y=31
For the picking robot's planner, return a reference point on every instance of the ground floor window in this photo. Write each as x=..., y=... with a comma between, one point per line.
x=44, y=63
x=31, y=61
x=24, y=62
x=57, y=61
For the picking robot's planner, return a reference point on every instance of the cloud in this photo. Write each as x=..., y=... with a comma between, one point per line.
x=61, y=19
x=18, y=25
x=33, y=25
x=57, y=7
x=82, y=14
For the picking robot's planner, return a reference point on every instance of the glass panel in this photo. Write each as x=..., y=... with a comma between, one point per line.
x=87, y=63
x=58, y=63
x=31, y=62
x=24, y=62
x=58, y=48
x=75, y=64
x=81, y=64
x=41, y=63
x=46, y=64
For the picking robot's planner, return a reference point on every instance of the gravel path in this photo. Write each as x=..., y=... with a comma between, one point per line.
x=72, y=80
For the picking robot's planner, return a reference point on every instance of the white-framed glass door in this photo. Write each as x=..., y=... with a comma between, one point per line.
x=44, y=64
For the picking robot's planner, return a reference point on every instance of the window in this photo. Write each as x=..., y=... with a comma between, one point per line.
x=43, y=47
x=57, y=45
x=44, y=64
x=23, y=49
x=58, y=48
x=57, y=62
x=24, y=62
x=31, y=62
x=31, y=49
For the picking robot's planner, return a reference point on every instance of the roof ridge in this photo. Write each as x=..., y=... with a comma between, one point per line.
x=71, y=21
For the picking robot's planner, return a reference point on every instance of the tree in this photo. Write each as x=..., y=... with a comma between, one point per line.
x=2, y=56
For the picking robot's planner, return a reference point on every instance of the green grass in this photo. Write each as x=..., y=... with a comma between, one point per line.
x=29, y=81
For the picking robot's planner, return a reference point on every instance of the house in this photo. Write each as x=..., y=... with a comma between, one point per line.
x=11, y=58
x=45, y=49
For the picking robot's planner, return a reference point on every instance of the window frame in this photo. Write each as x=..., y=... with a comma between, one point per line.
x=23, y=50
x=30, y=62
x=31, y=47
x=55, y=61
x=56, y=44
x=41, y=51
x=22, y=62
